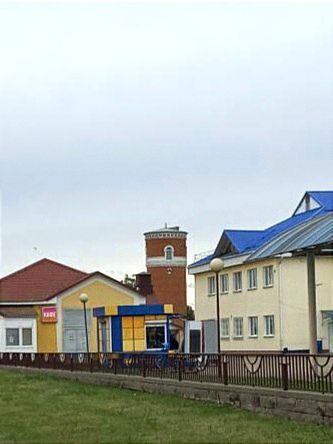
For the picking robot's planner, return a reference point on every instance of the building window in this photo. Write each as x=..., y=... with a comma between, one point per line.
x=12, y=337
x=26, y=336
x=238, y=281
x=155, y=336
x=253, y=326
x=224, y=283
x=252, y=279
x=169, y=253
x=211, y=285
x=238, y=328
x=269, y=325
x=225, y=329
x=268, y=276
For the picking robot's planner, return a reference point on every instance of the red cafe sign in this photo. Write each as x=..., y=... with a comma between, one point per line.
x=49, y=314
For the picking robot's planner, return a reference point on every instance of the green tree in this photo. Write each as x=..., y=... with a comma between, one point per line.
x=190, y=313
x=129, y=280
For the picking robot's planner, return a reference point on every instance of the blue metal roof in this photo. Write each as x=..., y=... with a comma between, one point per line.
x=324, y=198
x=203, y=261
x=289, y=223
x=246, y=241
x=315, y=232
x=133, y=310
x=243, y=241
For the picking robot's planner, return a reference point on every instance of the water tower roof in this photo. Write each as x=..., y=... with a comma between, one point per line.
x=167, y=230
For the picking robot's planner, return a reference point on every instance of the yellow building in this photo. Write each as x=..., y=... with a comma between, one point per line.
x=41, y=311
x=263, y=286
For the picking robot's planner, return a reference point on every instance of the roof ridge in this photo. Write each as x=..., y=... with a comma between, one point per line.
x=61, y=290
x=319, y=191
x=38, y=262
x=244, y=231
x=21, y=269
x=68, y=267
x=89, y=275
x=313, y=211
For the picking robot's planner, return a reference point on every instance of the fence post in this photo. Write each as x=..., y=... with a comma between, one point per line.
x=180, y=376
x=143, y=367
x=225, y=370
x=219, y=367
x=284, y=373
x=91, y=364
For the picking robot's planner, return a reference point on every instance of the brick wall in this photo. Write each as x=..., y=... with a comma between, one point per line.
x=155, y=247
x=168, y=282
x=169, y=288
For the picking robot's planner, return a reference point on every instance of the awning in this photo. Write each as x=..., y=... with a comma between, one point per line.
x=17, y=312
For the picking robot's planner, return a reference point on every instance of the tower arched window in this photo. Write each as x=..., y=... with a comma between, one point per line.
x=169, y=252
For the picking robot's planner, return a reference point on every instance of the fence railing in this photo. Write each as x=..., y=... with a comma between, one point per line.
x=272, y=370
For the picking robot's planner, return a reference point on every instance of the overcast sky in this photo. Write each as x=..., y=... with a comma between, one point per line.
x=117, y=118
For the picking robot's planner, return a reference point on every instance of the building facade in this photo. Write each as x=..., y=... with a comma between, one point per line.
x=264, y=297
x=40, y=308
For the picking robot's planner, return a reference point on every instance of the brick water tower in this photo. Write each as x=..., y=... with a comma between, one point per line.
x=166, y=263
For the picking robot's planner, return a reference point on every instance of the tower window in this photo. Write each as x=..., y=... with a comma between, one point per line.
x=169, y=253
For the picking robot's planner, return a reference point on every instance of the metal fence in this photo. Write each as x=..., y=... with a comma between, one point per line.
x=274, y=370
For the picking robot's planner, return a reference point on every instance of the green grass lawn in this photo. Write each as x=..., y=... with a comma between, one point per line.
x=39, y=408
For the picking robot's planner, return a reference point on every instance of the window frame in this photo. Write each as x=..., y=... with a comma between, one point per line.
x=26, y=345
x=156, y=324
x=250, y=318
x=266, y=324
x=252, y=273
x=227, y=321
x=18, y=337
x=169, y=248
x=226, y=276
x=235, y=320
x=271, y=284
x=211, y=279
x=234, y=275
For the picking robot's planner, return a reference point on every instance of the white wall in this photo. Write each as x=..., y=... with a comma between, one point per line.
x=259, y=302
x=18, y=323
x=287, y=300
x=294, y=291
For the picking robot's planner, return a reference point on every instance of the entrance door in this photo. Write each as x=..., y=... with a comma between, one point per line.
x=73, y=330
x=104, y=337
x=74, y=340
x=210, y=333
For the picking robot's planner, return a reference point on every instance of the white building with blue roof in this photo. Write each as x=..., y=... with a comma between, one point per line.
x=264, y=282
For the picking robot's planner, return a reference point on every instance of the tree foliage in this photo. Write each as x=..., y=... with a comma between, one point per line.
x=190, y=313
x=129, y=280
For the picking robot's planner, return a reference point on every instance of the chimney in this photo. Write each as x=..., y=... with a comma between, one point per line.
x=143, y=283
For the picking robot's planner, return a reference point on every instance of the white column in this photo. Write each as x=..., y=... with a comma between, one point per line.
x=312, y=301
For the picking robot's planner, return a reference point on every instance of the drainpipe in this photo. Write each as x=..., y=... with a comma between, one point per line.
x=280, y=304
